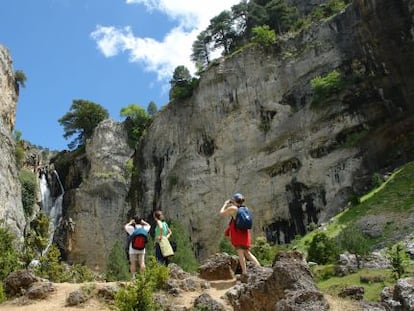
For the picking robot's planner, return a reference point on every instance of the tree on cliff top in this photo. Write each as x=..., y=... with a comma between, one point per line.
x=83, y=117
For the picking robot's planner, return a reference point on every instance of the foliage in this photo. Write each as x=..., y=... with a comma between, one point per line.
x=201, y=49
x=49, y=265
x=36, y=238
x=323, y=272
x=328, y=9
x=152, y=109
x=322, y=249
x=83, y=117
x=137, y=125
x=221, y=31
x=20, y=78
x=19, y=151
x=77, y=273
x=353, y=240
x=264, y=36
x=263, y=251
x=182, y=84
x=117, y=268
x=324, y=87
x=394, y=196
x=334, y=285
x=3, y=297
x=226, y=247
x=184, y=256
x=28, y=180
x=397, y=254
x=9, y=257
x=137, y=295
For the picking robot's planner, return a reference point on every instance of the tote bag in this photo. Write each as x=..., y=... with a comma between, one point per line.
x=166, y=248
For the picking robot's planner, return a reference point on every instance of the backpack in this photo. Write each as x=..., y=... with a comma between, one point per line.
x=139, y=238
x=244, y=218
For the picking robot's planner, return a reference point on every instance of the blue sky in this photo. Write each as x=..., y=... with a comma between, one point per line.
x=111, y=52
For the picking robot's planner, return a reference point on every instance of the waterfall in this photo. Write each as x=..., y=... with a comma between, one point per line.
x=52, y=209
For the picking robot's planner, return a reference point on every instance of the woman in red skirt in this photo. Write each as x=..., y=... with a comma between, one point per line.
x=240, y=239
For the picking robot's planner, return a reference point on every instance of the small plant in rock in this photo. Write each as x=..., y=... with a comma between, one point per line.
x=326, y=86
x=137, y=295
x=397, y=254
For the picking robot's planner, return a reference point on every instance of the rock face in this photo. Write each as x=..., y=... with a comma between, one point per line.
x=11, y=209
x=251, y=127
x=94, y=212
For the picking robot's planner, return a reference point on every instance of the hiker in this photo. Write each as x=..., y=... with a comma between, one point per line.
x=240, y=239
x=136, y=255
x=161, y=230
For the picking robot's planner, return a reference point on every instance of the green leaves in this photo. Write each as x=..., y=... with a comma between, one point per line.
x=83, y=117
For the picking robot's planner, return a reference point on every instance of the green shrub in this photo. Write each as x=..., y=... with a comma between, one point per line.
x=323, y=272
x=263, y=251
x=322, y=249
x=29, y=189
x=137, y=295
x=353, y=240
x=3, y=297
x=78, y=273
x=324, y=87
x=9, y=257
x=117, y=268
x=264, y=36
x=397, y=254
x=184, y=256
x=226, y=247
x=49, y=265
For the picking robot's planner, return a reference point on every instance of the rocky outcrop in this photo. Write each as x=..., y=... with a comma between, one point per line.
x=251, y=126
x=94, y=212
x=288, y=285
x=11, y=209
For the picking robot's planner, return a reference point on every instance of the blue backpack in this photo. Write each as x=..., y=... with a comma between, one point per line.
x=244, y=218
x=139, y=238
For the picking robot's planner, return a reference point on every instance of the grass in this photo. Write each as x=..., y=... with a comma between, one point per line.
x=394, y=199
x=334, y=285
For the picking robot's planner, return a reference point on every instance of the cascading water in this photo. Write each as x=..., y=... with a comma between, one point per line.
x=52, y=209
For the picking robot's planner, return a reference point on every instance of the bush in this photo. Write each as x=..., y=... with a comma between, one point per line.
x=264, y=36
x=263, y=251
x=397, y=254
x=29, y=188
x=226, y=247
x=353, y=240
x=49, y=265
x=78, y=273
x=9, y=257
x=3, y=297
x=117, y=268
x=326, y=86
x=137, y=295
x=184, y=256
x=322, y=249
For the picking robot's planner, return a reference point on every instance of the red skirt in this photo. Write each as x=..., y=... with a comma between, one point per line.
x=239, y=238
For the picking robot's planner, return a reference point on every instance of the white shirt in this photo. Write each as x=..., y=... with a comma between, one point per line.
x=130, y=229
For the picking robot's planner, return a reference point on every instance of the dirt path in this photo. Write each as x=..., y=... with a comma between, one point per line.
x=57, y=301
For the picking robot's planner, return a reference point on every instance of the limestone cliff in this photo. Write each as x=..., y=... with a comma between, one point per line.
x=251, y=127
x=11, y=209
x=95, y=207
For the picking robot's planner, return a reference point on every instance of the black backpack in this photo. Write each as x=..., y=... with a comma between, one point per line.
x=244, y=218
x=139, y=238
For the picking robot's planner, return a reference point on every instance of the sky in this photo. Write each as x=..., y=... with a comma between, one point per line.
x=111, y=52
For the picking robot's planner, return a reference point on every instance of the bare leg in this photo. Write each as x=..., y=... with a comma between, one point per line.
x=242, y=260
x=251, y=257
x=132, y=264
x=141, y=262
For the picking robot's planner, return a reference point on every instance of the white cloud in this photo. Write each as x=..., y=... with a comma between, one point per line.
x=162, y=57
